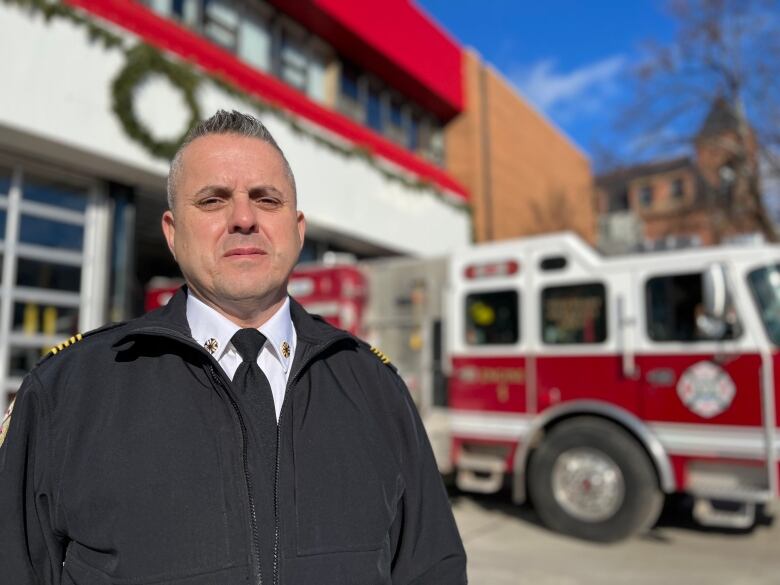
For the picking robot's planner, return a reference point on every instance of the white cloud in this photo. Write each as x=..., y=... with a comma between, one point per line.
x=567, y=93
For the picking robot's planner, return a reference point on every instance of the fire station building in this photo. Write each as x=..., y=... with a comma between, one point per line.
x=95, y=92
x=379, y=111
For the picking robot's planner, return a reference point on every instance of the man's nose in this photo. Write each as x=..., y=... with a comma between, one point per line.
x=243, y=216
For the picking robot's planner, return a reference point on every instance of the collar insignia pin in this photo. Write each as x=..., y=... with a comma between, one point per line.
x=285, y=349
x=211, y=345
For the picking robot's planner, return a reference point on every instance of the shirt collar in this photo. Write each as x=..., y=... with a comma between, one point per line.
x=281, y=335
x=214, y=331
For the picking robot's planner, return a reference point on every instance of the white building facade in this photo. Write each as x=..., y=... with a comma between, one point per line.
x=81, y=194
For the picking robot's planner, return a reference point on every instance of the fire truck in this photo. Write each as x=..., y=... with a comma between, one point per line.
x=593, y=386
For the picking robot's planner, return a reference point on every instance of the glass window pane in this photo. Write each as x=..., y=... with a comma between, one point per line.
x=574, y=314
x=414, y=133
x=2, y=224
x=492, y=318
x=221, y=22
x=22, y=359
x=292, y=51
x=646, y=196
x=437, y=146
x=187, y=11
x=222, y=11
x=254, y=42
x=765, y=287
x=48, y=275
x=395, y=129
x=374, y=111
x=5, y=181
x=294, y=76
x=675, y=310
x=163, y=7
x=34, y=318
x=396, y=113
x=350, y=87
x=45, y=232
x=53, y=193
x=678, y=189
x=220, y=35
x=671, y=305
x=293, y=60
x=316, y=82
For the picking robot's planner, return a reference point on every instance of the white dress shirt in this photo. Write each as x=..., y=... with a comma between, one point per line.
x=214, y=331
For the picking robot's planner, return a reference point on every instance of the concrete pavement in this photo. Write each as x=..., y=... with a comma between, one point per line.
x=507, y=545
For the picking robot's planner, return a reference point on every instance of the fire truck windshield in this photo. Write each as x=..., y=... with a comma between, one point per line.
x=765, y=286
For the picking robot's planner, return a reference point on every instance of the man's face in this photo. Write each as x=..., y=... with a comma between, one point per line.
x=234, y=230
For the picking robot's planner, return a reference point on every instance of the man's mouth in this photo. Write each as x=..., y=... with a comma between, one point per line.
x=245, y=252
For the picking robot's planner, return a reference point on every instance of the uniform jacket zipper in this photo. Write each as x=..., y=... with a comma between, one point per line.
x=247, y=475
x=217, y=378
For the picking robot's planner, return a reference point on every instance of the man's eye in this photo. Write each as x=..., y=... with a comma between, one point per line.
x=269, y=201
x=209, y=202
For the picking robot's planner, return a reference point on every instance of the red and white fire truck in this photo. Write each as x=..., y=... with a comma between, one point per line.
x=595, y=386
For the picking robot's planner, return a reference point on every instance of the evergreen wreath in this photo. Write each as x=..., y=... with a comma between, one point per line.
x=144, y=61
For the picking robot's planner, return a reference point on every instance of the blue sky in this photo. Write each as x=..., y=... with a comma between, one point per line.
x=569, y=58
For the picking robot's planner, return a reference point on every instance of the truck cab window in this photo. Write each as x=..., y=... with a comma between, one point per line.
x=574, y=314
x=675, y=310
x=492, y=318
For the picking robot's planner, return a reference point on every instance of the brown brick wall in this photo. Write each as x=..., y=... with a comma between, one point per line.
x=533, y=179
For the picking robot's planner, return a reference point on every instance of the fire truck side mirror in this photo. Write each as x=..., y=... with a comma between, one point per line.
x=714, y=292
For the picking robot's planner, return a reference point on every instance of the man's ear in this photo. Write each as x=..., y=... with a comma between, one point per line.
x=301, y=229
x=169, y=230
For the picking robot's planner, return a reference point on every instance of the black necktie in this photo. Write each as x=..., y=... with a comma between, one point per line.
x=252, y=383
x=249, y=378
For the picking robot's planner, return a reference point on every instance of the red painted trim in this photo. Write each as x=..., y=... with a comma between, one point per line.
x=393, y=39
x=167, y=35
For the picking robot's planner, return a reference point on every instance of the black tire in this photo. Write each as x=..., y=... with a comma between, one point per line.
x=594, y=440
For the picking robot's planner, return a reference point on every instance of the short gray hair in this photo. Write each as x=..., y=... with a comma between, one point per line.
x=224, y=123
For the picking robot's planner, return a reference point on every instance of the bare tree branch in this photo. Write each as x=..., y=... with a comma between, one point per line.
x=725, y=51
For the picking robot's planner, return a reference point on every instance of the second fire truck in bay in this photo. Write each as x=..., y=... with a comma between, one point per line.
x=594, y=386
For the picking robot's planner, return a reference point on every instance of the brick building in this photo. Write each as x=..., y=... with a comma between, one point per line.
x=686, y=201
x=525, y=176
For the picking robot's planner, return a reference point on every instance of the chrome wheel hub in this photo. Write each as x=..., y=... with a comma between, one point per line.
x=587, y=484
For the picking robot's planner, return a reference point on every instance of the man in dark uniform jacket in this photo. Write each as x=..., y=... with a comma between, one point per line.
x=230, y=437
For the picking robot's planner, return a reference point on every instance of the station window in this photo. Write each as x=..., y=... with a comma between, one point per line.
x=293, y=60
x=262, y=37
x=52, y=192
x=221, y=20
x=374, y=108
x=396, y=121
x=49, y=319
x=574, y=314
x=48, y=275
x=254, y=39
x=492, y=318
x=367, y=100
x=258, y=35
x=675, y=310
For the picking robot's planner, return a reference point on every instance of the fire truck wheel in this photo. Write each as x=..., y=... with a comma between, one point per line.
x=590, y=479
